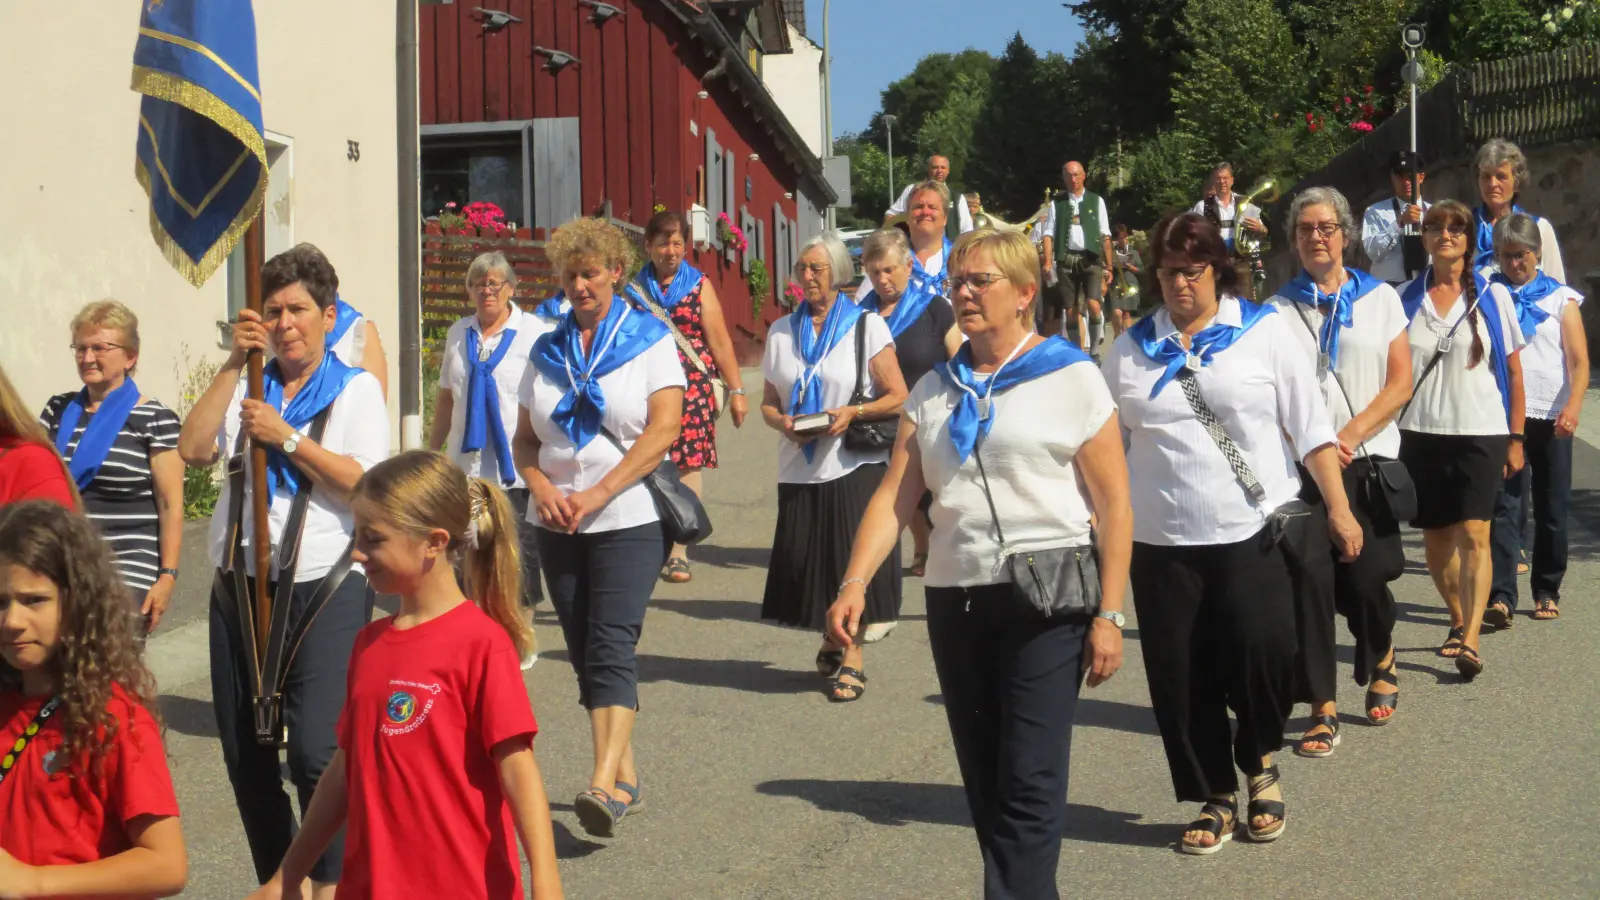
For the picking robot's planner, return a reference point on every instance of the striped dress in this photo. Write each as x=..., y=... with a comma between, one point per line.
x=121, y=499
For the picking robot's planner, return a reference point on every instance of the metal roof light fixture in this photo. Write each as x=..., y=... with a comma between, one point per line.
x=494, y=20
x=557, y=59
x=603, y=12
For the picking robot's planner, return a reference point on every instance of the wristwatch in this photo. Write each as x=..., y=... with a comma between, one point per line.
x=1519, y=438
x=172, y=572
x=292, y=444
x=1115, y=618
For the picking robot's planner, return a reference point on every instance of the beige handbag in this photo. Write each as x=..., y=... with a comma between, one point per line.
x=719, y=388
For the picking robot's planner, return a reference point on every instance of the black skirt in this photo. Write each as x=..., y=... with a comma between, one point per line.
x=811, y=549
x=1457, y=475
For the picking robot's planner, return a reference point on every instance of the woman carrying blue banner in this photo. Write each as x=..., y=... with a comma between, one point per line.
x=121, y=449
x=1353, y=327
x=1461, y=433
x=1555, y=377
x=923, y=327
x=678, y=294
x=814, y=359
x=485, y=358
x=600, y=409
x=324, y=424
x=354, y=340
x=1037, y=415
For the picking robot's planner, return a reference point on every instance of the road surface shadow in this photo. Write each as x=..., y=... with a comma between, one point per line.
x=187, y=715
x=1095, y=713
x=730, y=557
x=570, y=845
x=895, y=803
x=713, y=610
x=756, y=676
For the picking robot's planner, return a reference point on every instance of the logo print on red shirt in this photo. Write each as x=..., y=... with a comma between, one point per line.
x=400, y=712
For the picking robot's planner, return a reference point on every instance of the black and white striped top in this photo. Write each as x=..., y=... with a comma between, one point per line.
x=121, y=500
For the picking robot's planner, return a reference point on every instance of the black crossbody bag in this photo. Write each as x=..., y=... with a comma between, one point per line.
x=683, y=516
x=867, y=436
x=1388, y=484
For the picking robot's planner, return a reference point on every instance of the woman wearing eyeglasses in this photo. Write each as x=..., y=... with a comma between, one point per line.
x=1555, y=372
x=481, y=369
x=1353, y=328
x=121, y=448
x=1217, y=404
x=1461, y=434
x=814, y=359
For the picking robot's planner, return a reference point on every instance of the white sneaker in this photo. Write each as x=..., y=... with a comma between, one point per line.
x=878, y=631
x=529, y=660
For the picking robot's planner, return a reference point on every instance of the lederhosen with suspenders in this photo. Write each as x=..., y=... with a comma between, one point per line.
x=233, y=590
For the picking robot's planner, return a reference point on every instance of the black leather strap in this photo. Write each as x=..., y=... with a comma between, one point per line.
x=275, y=663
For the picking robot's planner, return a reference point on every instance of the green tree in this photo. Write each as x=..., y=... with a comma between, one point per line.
x=1168, y=170
x=948, y=130
x=1011, y=163
x=926, y=89
x=869, y=180
x=1138, y=47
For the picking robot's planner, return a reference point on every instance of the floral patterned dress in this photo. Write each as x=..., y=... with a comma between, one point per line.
x=696, y=446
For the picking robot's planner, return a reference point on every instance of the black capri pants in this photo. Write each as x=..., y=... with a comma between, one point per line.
x=313, y=696
x=600, y=583
x=1217, y=624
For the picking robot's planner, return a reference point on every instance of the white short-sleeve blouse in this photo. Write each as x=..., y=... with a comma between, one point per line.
x=836, y=378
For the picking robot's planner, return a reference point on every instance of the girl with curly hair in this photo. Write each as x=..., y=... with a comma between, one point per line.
x=86, y=800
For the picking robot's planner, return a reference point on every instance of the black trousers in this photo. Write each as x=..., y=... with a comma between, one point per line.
x=1357, y=590
x=1217, y=625
x=528, y=539
x=1545, y=483
x=313, y=696
x=1010, y=693
x=600, y=585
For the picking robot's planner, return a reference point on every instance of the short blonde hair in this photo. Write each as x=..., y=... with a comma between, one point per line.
x=584, y=239
x=113, y=315
x=1013, y=253
x=938, y=187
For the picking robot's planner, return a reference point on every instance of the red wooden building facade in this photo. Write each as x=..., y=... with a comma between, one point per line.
x=578, y=107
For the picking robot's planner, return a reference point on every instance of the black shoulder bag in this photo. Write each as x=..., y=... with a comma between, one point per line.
x=1062, y=581
x=878, y=434
x=1388, y=484
x=683, y=516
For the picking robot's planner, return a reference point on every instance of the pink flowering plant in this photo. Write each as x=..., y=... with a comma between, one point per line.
x=730, y=233
x=486, y=217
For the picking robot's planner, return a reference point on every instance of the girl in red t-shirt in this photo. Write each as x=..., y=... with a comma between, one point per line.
x=30, y=467
x=86, y=800
x=435, y=776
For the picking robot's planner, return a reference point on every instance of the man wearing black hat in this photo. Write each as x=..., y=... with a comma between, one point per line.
x=1391, y=230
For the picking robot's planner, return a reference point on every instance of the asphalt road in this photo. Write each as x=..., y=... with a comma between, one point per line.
x=760, y=788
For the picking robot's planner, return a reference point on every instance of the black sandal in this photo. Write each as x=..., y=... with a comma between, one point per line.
x=1273, y=808
x=1453, y=642
x=828, y=662
x=1331, y=738
x=1211, y=821
x=1376, y=700
x=839, y=684
x=1469, y=664
x=1498, y=616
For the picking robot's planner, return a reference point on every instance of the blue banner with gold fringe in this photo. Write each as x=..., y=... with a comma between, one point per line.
x=201, y=155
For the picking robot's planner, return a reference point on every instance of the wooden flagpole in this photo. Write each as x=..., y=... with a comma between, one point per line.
x=254, y=253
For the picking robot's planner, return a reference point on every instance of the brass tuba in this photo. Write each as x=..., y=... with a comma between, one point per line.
x=1251, y=244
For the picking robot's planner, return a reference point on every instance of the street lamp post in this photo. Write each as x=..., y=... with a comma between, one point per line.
x=888, y=123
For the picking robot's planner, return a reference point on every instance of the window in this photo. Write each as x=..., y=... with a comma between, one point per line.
x=488, y=172
x=277, y=218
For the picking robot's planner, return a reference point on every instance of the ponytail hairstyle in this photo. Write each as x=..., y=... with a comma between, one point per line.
x=98, y=649
x=419, y=491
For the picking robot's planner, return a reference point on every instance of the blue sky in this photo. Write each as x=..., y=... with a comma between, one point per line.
x=878, y=41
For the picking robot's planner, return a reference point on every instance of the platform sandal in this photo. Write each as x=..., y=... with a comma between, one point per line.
x=1217, y=818
x=1273, y=808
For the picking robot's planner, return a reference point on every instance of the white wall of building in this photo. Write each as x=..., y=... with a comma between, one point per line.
x=75, y=224
x=795, y=80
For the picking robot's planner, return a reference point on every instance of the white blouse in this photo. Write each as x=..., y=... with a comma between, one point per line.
x=1455, y=399
x=627, y=391
x=453, y=376
x=1376, y=320
x=1037, y=429
x=358, y=427
x=352, y=345
x=1265, y=392
x=1544, y=358
x=836, y=378
x=1231, y=213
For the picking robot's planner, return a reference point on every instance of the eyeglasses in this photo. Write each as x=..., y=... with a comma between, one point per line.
x=811, y=268
x=1188, y=273
x=490, y=287
x=976, y=282
x=82, y=350
x=1455, y=229
x=1322, y=229
x=1510, y=255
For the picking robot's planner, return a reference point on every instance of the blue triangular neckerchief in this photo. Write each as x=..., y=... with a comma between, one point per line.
x=1411, y=299
x=553, y=308
x=813, y=348
x=1205, y=344
x=559, y=356
x=1341, y=314
x=1530, y=315
x=973, y=415
x=683, y=283
x=1483, y=235
x=86, y=459
x=483, y=419
x=938, y=281
x=345, y=315
x=918, y=296
x=320, y=390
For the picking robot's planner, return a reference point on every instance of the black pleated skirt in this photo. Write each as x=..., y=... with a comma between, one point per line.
x=811, y=549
